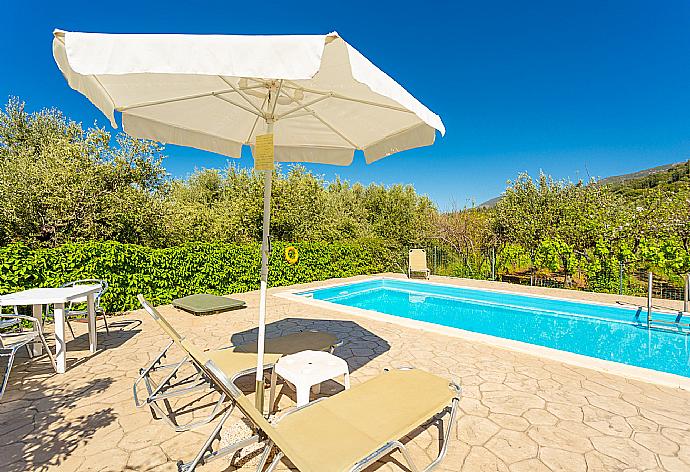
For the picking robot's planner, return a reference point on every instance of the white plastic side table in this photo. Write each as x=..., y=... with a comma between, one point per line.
x=308, y=368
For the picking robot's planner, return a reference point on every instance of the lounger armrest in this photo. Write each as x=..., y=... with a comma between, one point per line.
x=402, y=367
x=374, y=456
x=295, y=409
x=452, y=385
x=457, y=388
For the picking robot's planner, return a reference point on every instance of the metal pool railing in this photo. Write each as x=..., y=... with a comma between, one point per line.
x=680, y=321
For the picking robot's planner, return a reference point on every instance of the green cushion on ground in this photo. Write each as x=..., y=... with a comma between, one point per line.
x=206, y=304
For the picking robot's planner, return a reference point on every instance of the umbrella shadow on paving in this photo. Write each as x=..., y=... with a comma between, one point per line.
x=359, y=347
x=38, y=423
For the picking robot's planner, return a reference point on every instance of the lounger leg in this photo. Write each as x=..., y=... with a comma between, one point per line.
x=275, y=462
x=207, y=454
x=264, y=457
x=446, y=436
x=393, y=445
x=166, y=380
x=144, y=373
x=207, y=447
x=406, y=455
x=193, y=424
x=156, y=393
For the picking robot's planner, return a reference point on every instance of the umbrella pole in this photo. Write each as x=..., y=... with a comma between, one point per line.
x=268, y=178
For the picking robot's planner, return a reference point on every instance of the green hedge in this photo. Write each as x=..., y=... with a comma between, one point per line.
x=167, y=273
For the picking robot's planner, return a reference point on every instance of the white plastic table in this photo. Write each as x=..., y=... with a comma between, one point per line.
x=308, y=368
x=58, y=297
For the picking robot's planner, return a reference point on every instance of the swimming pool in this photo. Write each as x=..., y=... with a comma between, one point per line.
x=608, y=332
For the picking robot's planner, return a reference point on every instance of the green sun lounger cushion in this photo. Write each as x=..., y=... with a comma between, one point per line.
x=207, y=304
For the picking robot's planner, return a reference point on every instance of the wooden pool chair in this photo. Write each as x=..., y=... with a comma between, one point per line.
x=417, y=264
x=345, y=432
x=240, y=360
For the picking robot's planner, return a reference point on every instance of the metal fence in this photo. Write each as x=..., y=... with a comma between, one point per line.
x=627, y=279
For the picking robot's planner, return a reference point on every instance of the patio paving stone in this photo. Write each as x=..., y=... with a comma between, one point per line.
x=519, y=412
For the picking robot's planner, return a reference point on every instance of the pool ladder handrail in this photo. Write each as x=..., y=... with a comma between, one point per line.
x=679, y=314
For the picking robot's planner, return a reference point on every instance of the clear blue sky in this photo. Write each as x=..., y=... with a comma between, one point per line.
x=576, y=89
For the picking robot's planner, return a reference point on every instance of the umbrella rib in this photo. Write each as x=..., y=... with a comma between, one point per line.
x=296, y=115
x=241, y=94
x=256, y=121
x=295, y=86
x=178, y=99
x=290, y=112
x=390, y=135
x=324, y=122
x=332, y=128
x=173, y=100
x=246, y=108
x=105, y=90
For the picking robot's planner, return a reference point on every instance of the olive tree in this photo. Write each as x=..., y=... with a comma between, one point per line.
x=59, y=182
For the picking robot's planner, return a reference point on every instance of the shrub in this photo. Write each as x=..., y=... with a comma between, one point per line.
x=162, y=274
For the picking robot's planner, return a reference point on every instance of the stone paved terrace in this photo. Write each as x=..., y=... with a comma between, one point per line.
x=519, y=413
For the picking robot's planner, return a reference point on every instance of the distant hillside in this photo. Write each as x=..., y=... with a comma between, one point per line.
x=666, y=176
x=639, y=174
x=490, y=203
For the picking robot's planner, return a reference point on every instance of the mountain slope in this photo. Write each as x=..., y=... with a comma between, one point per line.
x=667, y=176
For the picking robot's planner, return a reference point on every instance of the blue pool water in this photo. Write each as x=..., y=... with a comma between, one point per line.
x=612, y=333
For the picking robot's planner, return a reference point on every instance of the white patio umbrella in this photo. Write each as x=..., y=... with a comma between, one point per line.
x=308, y=98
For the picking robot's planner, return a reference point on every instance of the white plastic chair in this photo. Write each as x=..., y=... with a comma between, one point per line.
x=72, y=312
x=7, y=323
x=13, y=341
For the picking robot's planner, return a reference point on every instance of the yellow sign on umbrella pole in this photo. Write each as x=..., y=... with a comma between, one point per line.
x=263, y=152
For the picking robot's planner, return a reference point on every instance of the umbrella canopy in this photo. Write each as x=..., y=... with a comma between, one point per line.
x=317, y=96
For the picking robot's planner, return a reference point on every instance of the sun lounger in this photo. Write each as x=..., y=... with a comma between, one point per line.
x=240, y=360
x=345, y=432
x=417, y=264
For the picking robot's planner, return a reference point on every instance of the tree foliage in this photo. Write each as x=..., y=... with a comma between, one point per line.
x=59, y=182
x=560, y=227
x=62, y=183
